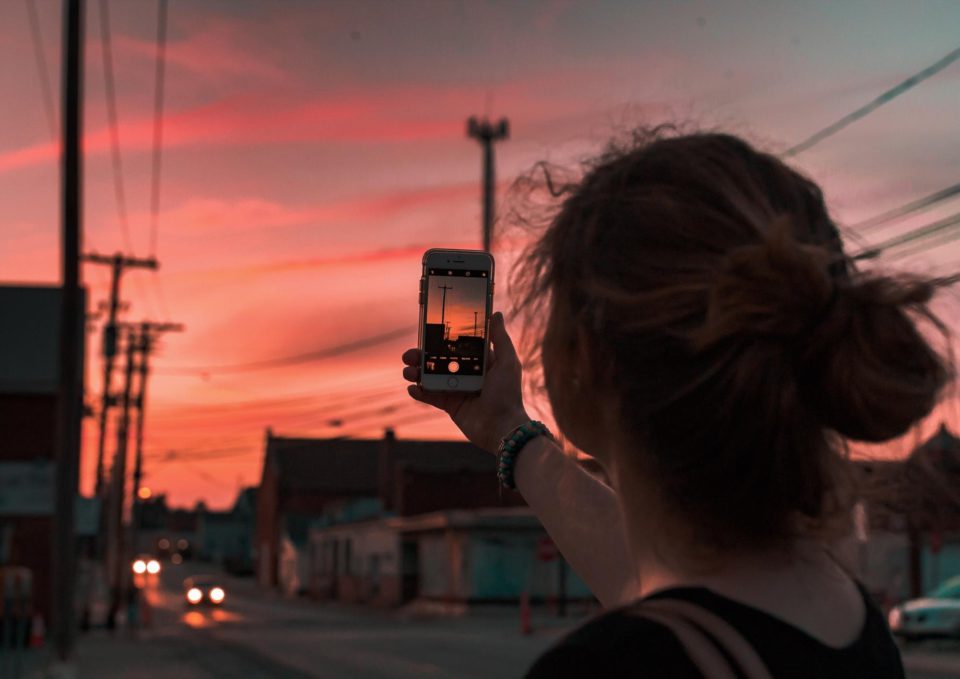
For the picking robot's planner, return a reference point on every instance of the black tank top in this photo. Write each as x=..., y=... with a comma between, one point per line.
x=620, y=643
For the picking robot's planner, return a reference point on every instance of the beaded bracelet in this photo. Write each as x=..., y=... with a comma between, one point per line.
x=511, y=445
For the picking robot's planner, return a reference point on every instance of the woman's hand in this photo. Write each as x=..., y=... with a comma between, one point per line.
x=486, y=417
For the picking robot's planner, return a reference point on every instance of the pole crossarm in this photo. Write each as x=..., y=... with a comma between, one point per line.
x=120, y=259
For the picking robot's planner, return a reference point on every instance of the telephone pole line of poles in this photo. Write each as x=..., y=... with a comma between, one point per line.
x=117, y=564
x=149, y=331
x=117, y=263
x=70, y=401
x=487, y=134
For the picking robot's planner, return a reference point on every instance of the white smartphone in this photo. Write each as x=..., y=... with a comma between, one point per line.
x=456, y=300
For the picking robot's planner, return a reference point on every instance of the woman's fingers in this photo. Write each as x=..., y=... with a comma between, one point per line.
x=411, y=357
x=411, y=373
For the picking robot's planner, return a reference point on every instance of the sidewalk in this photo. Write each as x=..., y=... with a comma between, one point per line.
x=938, y=658
x=100, y=655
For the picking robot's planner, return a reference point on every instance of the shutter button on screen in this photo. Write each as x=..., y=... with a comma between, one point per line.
x=453, y=383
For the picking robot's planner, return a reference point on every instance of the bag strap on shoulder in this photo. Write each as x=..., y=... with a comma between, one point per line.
x=703, y=634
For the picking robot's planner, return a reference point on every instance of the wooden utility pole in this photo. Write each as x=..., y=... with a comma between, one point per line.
x=70, y=403
x=487, y=134
x=117, y=263
x=118, y=563
x=148, y=333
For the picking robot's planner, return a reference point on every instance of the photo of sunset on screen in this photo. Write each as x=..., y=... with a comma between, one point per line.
x=455, y=332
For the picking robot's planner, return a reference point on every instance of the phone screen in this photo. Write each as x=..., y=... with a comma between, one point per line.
x=454, y=339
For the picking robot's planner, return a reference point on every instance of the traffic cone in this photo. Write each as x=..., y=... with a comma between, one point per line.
x=38, y=631
x=526, y=628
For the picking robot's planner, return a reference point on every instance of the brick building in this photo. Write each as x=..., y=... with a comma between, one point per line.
x=310, y=481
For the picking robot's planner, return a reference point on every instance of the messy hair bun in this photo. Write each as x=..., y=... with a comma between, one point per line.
x=860, y=361
x=713, y=292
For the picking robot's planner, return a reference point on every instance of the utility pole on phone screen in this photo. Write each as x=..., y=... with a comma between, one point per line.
x=487, y=133
x=443, y=304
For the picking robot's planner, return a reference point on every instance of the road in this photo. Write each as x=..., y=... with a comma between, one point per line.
x=260, y=634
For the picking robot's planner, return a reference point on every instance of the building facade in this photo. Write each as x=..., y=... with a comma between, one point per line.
x=29, y=383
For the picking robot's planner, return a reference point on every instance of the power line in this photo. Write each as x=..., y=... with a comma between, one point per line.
x=258, y=419
x=285, y=361
x=914, y=234
x=159, y=81
x=40, y=58
x=106, y=54
x=869, y=108
x=904, y=210
x=157, y=163
x=431, y=414
x=941, y=239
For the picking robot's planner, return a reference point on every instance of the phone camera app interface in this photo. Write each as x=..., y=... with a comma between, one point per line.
x=454, y=337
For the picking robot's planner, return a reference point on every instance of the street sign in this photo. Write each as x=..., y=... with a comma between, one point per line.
x=546, y=549
x=27, y=488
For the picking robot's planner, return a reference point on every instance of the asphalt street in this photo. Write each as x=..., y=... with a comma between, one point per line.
x=260, y=634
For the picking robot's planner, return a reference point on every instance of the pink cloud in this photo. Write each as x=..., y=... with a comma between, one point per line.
x=262, y=119
x=213, y=52
x=257, y=213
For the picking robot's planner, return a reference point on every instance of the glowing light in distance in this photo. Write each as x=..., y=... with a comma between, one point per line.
x=139, y=567
x=153, y=567
x=216, y=595
x=176, y=559
x=194, y=595
x=144, y=493
x=163, y=543
x=182, y=544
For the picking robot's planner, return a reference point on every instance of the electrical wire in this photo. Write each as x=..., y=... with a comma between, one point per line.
x=904, y=210
x=46, y=90
x=116, y=158
x=432, y=414
x=109, y=88
x=311, y=413
x=940, y=240
x=873, y=105
x=914, y=234
x=285, y=361
x=159, y=82
x=157, y=160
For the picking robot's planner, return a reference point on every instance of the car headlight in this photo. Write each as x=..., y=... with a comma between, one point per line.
x=139, y=567
x=216, y=595
x=153, y=567
x=895, y=618
x=194, y=595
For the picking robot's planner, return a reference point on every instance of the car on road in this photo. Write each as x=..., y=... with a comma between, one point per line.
x=202, y=590
x=936, y=615
x=145, y=564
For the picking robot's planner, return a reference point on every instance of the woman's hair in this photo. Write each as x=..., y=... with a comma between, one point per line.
x=710, y=288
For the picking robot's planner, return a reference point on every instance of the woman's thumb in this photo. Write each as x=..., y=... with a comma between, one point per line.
x=502, y=344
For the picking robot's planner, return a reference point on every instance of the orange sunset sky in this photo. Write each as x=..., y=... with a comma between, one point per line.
x=313, y=150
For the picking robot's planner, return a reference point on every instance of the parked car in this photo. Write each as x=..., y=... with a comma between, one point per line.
x=203, y=590
x=937, y=615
